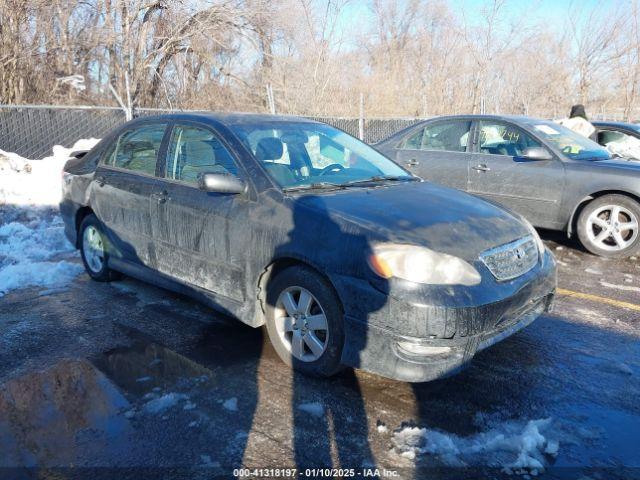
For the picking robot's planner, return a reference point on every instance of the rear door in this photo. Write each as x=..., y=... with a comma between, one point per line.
x=498, y=172
x=438, y=152
x=194, y=230
x=123, y=184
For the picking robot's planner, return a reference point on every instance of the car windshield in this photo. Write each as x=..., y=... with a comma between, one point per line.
x=299, y=155
x=570, y=143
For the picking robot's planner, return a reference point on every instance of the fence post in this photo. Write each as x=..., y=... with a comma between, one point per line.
x=270, y=100
x=361, y=118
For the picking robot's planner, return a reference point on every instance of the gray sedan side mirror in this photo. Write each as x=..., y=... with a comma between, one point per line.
x=221, y=183
x=536, y=154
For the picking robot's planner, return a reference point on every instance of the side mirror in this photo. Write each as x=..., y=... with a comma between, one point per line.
x=536, y=154
x=221, y=183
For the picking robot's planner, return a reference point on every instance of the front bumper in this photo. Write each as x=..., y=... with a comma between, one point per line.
x=372, y=342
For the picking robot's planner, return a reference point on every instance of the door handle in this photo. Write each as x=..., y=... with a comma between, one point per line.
x=413, y=163
x=101, y=181
x=481, y=168
x=161, y=197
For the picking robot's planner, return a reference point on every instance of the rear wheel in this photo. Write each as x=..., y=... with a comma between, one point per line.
x=610, y=226
x=94, y=251
x=305, y=321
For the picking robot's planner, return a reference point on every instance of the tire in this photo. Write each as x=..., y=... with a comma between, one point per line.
x=283, y=333
x=95, y=260
x=602, y=235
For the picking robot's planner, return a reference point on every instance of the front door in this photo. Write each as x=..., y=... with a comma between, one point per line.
x=122, y=187
x=197, y=234
x=498, y=172
x=438, y=152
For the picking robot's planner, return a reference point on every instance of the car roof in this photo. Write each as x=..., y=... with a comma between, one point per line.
x=632, y=126
x=225, y=118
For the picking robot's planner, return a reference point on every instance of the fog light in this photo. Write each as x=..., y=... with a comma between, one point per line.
x=417, y=349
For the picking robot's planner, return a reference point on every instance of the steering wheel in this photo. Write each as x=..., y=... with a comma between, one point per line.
x=331, y=168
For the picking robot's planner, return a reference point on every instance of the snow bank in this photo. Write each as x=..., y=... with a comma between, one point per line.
x=512, y=446
x=36, y=182
x=35, y=252
x=33, y=248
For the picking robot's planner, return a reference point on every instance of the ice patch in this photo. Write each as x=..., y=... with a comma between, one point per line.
x=231, y=404
x=164, y=402
x=315, y=408
x=514, y=447
x=381, y=427
x=593, y=271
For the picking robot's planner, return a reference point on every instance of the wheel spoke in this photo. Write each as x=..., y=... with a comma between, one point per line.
x=632, y=225
x=314, y=343
x=615, y=214
x=297, y=344
x=602, y=236
x=304, y=303
x=317, y=322
x=599, y=222
x=619, y=240
x=289, y=303
x=286, y=324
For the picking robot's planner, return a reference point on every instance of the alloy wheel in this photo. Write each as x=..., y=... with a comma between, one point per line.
x=301, y=324
x=93, y=248
x=612, y=227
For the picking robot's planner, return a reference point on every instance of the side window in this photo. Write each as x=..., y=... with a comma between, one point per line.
x=137, y=150
x=503, y=139
x=193, y=151
x=445, y=136
x=414, y=141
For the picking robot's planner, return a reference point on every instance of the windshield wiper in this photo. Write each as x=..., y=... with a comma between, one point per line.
x=315, y=186
x=383, y=178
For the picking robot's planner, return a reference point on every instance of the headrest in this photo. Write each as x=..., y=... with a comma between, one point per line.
x=269, y=148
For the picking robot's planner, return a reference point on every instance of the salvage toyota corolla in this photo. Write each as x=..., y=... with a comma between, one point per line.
x=345, y=258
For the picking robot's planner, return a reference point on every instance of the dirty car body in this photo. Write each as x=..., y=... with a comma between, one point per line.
x=332, y=218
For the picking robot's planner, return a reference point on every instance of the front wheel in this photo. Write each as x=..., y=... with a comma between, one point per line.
x=305, y=321
x=609, y=226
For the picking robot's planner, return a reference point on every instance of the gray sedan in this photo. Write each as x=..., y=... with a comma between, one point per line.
x=552, y=176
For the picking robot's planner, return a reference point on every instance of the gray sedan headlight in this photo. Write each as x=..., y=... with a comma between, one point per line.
x=421, y=265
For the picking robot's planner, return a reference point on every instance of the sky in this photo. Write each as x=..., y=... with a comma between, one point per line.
x=554, y=12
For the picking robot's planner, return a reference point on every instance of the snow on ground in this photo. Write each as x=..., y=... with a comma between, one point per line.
x=36, y=182
x=33, y=248
x=315, y=408
x=513, y=446
x=166, y=401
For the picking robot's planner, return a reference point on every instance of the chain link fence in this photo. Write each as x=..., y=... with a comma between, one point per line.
x=32, y=130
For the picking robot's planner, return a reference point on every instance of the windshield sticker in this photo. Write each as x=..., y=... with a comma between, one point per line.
x=547, y=129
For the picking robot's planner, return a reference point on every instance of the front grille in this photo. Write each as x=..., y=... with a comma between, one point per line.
x=512, y=259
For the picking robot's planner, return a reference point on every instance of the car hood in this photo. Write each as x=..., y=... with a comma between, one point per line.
x=422, y=213
x=619, y=163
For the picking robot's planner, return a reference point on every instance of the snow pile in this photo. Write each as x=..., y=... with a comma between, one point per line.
x=35, y=252
x=514, y=447
x=36, y=182
x=33, y=248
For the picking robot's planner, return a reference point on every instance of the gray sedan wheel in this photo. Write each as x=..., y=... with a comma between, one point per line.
x=610, y=226
x=305, y=321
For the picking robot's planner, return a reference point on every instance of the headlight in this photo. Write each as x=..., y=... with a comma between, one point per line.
x=421, y=265
x=535, y=235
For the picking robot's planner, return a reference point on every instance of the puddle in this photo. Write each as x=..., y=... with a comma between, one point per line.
x=58, y=415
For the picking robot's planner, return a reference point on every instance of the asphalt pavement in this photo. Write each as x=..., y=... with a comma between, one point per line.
x=128, y=378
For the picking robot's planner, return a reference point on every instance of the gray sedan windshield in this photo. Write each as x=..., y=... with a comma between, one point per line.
x=570, y=143
x=299, y=154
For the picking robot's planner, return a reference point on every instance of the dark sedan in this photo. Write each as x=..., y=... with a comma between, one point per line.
x=554, y=177
x=344, y=256
x=619, y=137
